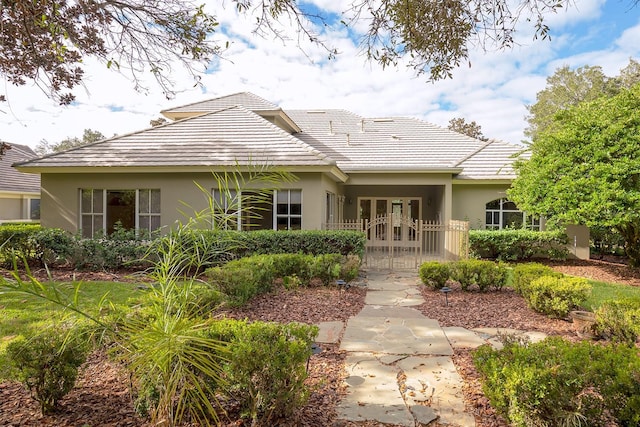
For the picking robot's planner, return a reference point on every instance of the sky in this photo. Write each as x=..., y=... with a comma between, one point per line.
x=494, y=91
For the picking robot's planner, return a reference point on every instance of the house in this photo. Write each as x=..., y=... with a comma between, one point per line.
x=19, y=192
x=349, y=168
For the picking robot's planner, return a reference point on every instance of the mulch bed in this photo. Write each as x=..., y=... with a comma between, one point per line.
x=101, y=397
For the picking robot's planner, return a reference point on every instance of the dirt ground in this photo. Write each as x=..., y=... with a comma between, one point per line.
x=101, y=396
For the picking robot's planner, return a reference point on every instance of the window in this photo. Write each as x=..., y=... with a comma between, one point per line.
x=34, y=209
x=289, y=210
x=148, y=210
x=102, y=210
x=226, y=215
x=503, y=213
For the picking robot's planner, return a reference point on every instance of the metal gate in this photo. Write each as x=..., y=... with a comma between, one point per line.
x=398, y=242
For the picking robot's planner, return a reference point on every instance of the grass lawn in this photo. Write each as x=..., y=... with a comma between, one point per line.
x=603, y=291
x=20, y=313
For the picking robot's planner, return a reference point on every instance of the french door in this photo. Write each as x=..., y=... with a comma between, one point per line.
x=391, y=217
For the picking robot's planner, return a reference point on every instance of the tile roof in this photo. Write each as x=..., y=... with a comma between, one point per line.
x=13, y=180
x=239, y=128
x=246, y=99
x=399, y=143
x=493, y=160
x=225, y=137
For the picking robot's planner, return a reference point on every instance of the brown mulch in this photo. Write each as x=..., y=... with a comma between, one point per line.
x=101, y=397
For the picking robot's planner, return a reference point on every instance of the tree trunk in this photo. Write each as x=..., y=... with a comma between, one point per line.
x=631, y=234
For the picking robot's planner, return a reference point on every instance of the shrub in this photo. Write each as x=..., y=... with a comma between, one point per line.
x=53, y=246
x=266, y=366
x=555, y=296
x=434, y=274
x=483, y=274
x=47, y=364
x=555, y=382
x=518, y=244
x=244, y=278
x=524, y=274
x=619, y=320
x=17, y=240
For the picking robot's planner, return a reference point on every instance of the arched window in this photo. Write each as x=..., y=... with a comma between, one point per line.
x=503, y=213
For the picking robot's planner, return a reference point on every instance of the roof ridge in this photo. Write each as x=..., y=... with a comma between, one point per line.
x=473, y=153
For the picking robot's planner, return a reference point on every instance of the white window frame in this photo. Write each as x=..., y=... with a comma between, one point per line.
x=104, y=191
x=330, y=208
x=528, y=221
x=289, y=216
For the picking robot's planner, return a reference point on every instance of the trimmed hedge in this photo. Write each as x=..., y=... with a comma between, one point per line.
x=556, y=296
x=524, y=274
x=517, y=244
x=16, y=240
x=484, y=275
x=245, y=278
x=555, y=382
x=124, y=249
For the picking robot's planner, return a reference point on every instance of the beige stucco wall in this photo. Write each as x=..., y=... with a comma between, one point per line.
x=470, y=200
x=15, y=206
x=60, y=203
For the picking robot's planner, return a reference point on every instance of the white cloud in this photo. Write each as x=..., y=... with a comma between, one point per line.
x=493, y=92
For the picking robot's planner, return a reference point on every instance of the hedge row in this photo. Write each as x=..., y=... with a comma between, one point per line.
x=242, y=279
x=124, y=249
x=469, y=273
x=517, y=244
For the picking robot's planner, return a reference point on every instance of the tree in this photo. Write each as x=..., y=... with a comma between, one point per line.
x=46, y=41
x=567, y=87
x=585, y=169
x=460, y=125
x=3, y=148
x=88, y=137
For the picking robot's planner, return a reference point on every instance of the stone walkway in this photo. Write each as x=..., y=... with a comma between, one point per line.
x=399, y=364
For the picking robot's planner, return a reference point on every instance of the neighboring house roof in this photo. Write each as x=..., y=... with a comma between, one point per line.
x=10, y=178
x=246, y=128
x=227, y=137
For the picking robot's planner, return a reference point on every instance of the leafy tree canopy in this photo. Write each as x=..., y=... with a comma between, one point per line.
x=585, y=168
x=46, y=41
x=88, y=136
x=567, y=87
x=460, y=125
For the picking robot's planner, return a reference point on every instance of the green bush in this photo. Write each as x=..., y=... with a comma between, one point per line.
x=555, y=296
x=556, y=383
x=435, y=274
x=265, y=368
x=483, y=274
x=517, y=244
x=16, y=240
x=53, y=246
x=524, y=274
x=619, y=320
x=244, y=278
x=47, y=364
